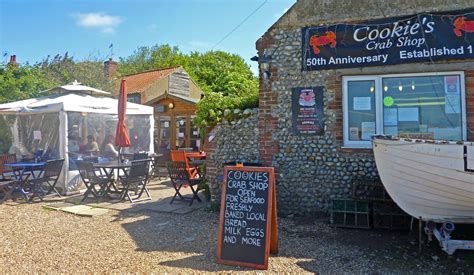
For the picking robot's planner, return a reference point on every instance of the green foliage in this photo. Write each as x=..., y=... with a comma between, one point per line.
x=21, y=82
x=62, y=70
x=146, y=59
x=225, y=78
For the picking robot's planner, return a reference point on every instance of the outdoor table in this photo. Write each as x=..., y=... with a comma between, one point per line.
x=109, y=169
x=19, y=172
x=196, y=155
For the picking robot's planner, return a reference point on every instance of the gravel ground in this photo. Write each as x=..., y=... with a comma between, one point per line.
x=33, y=239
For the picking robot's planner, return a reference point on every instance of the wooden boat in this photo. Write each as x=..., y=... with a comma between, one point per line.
x=433, y=180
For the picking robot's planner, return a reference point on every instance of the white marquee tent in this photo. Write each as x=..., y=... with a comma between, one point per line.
x=58, y=124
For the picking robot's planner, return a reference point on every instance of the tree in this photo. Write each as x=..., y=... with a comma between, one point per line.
x=62, y=70
x=225, y=78
x=146, y=58
x=19, y=82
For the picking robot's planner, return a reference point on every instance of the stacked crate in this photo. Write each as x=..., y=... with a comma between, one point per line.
x=370, y=206
x=349, y=213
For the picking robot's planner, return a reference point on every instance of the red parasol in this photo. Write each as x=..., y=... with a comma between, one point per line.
x=121, y=136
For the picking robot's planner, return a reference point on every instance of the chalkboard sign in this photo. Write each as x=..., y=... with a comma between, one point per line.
x=248, y=226
x=307, y=111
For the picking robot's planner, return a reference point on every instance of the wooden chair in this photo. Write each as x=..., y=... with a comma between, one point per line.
x=180, y=178
x=180, y=156
x=5, y=172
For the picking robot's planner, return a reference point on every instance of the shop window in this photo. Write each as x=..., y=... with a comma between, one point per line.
x=429, y=106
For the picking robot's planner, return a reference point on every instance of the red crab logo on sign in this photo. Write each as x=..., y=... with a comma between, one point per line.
x=461, y=24
x=316, y=41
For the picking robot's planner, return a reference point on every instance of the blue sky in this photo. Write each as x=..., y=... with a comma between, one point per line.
x=34, y=29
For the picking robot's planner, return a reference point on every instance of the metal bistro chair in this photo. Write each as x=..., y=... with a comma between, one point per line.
x=180, y=178
x=91, y=180
x=49, y=176
x=136, y=180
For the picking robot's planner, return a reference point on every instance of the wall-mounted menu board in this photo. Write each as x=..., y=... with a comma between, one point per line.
x=248, y=220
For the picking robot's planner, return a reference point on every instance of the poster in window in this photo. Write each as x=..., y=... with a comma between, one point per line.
x=37, y=135
x=307, y=111
x=368, y=130
x=354, y=133
x=408, y=114
x=452, y=104
x=362, y=104
x=390, y=117
x=451, y=85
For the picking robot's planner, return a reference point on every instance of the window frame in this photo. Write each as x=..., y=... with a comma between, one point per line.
x=379, y=104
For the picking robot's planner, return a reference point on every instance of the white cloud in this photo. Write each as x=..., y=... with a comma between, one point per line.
x=106, y=23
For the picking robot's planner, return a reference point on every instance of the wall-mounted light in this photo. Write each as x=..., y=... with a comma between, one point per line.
x=264, y=62
x=171, y=105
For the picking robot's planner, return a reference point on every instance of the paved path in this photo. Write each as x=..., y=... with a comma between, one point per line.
x=161, y=193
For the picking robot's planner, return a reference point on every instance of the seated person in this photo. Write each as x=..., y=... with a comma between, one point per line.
x=108, y=148
x=91, y=146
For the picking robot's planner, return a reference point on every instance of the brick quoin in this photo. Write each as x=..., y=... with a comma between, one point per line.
x=469, y=75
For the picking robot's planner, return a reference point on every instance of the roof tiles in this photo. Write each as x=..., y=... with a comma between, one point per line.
x=139, y=82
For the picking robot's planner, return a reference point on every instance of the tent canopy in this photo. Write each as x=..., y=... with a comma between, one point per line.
x=59, y=125
x=75, y=87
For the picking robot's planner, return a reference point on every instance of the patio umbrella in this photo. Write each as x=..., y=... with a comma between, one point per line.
x=121, y=136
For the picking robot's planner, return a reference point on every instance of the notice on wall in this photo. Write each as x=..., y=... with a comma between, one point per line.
x=37, y=135
x=248, y=226
x=390, y=116
x=166, y=124
x=307, y=108
x=408, y=114
x=362, y=104
x=368, y=130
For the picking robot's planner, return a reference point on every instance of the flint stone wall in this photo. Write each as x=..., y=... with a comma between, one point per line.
x=312, y=170
x=231, y=141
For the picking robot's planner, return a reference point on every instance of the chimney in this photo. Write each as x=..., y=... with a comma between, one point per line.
x=110, y=68
x=13, y=60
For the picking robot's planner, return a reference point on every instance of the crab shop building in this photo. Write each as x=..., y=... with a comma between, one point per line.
x=335, y=73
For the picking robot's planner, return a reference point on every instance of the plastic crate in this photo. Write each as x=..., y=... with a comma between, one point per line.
x=390, y=216
x=350, y=214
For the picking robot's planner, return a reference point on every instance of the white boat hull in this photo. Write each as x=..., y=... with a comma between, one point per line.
x=428, y=180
